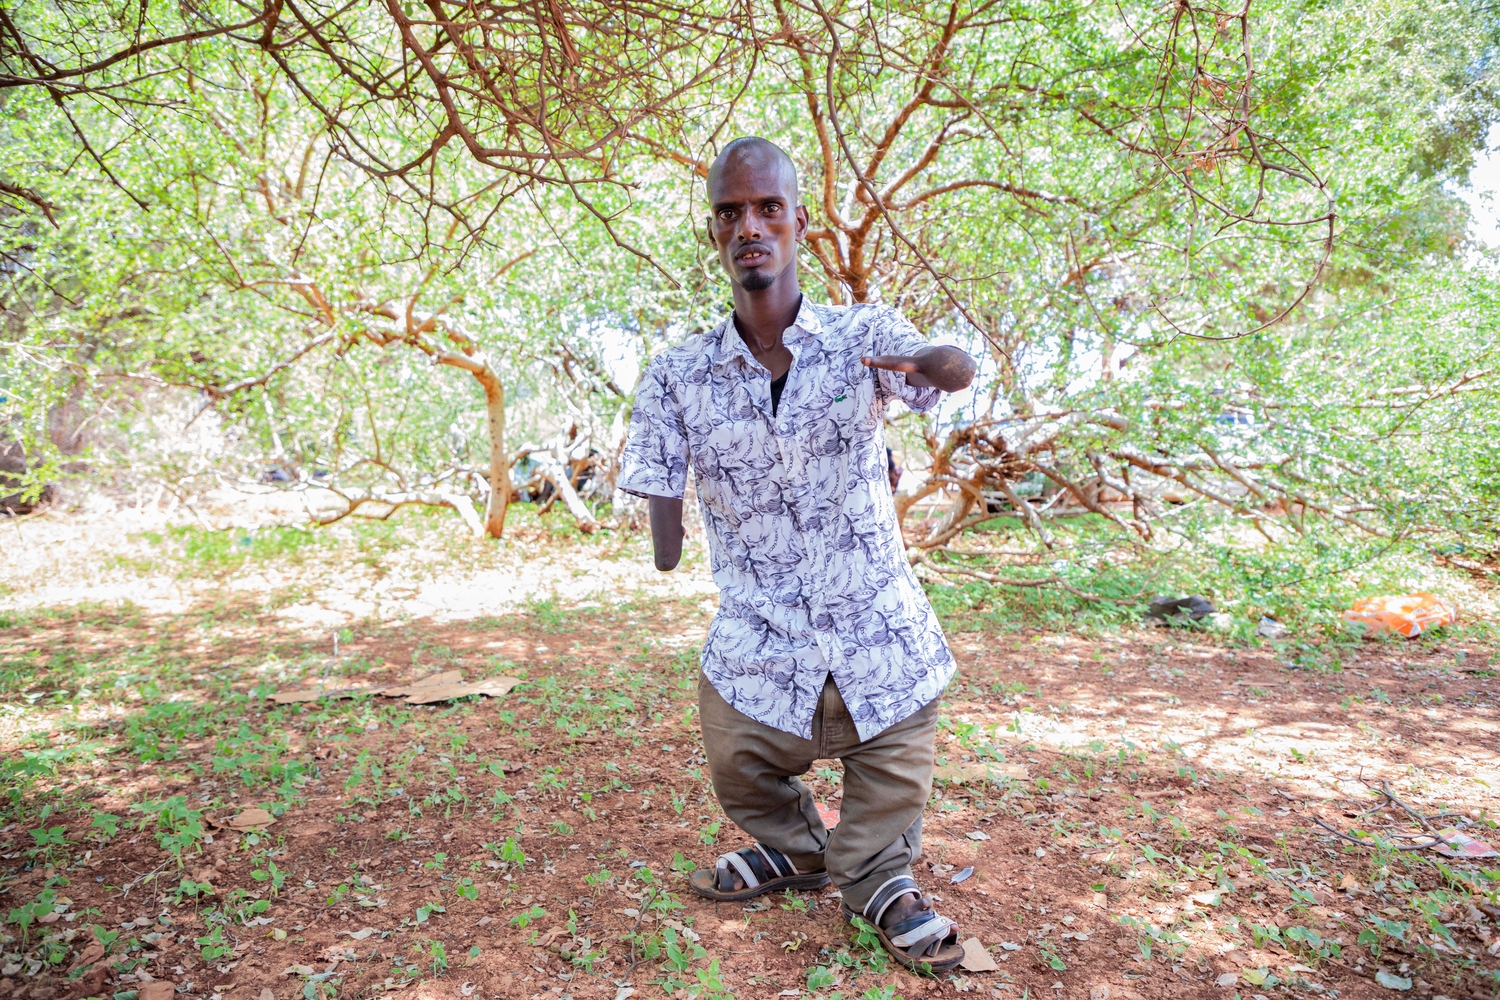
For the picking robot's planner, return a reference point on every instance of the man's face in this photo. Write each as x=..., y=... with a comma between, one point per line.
x=756, y=222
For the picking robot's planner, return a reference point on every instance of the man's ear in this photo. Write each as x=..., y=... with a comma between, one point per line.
x=708, y=227
x=801, y=217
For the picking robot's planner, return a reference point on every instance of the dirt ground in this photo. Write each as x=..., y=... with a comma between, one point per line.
x=1138, y=811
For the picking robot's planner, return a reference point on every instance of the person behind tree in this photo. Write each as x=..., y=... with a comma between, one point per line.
x=824, y=645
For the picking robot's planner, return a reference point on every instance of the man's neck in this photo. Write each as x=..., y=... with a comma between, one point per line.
x=762, y=316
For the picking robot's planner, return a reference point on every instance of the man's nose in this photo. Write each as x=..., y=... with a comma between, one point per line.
x=749, y=228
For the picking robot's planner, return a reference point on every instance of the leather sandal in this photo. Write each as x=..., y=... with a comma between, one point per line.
x=926, y=943
x=762, y=869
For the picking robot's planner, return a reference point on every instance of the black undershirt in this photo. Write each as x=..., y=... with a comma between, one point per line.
x=776, y=386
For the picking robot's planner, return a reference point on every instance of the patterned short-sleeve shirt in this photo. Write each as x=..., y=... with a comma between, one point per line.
x=801, y=524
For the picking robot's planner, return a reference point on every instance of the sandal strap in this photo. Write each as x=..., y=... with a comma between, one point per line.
x=893, y=889
x=780, y=863
x=927, y=928
x=742, y=865
x=757, y=864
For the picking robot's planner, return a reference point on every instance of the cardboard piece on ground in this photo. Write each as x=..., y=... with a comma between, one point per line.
x=250, y=819
x=443, y=686
x=446, y=677
x=423, y=694
x=976, y=959
x=980, y=771
x=313, y=694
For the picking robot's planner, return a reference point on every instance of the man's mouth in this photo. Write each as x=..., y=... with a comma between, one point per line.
x=751, y=256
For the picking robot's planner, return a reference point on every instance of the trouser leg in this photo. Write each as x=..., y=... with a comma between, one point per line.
x=755, y=772
x=887, y=780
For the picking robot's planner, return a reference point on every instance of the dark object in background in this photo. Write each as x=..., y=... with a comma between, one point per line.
x=13, y=466
x=1175, y=610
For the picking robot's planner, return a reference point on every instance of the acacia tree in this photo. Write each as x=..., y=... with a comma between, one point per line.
x=265, y=272
x=538, y=92
x=448, y=110
x=1130, y=210
x=1133, y=211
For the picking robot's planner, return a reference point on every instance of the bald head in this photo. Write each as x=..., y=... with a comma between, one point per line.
x=756, y=219
x=756, y=154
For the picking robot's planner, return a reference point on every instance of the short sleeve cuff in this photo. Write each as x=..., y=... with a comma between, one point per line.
x=918, y=399
x=642, y=480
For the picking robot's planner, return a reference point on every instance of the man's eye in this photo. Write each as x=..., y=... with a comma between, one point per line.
x=772, y=209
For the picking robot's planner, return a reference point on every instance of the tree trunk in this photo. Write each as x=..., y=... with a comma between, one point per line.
x=555, y=468
x=494, y=408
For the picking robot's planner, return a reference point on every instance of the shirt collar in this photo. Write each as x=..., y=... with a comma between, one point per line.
x=731, y=345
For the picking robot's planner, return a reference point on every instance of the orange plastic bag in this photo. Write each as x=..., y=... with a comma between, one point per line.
x=1405, y=614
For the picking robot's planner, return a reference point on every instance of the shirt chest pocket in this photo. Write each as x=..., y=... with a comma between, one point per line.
x=846, y=399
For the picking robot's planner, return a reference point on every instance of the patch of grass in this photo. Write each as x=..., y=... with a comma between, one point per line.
x=204, y=550
x=1305, y=584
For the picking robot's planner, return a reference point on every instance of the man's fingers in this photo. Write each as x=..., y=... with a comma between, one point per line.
x=892, y=363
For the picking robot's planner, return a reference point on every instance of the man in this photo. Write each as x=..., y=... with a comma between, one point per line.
x=824, y=645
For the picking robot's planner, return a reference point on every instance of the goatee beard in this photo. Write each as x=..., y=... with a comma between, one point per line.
x=757, y=281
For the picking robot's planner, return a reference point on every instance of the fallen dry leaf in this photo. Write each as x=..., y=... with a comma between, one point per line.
x=93, y=953
x=1100, y=992
x=266, y=994
x=298, y=970
x=976, y=959
x=251, y=819
x=1347, y=881
x=157, y=989
x=977, y=835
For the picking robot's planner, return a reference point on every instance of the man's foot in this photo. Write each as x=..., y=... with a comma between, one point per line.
x=910, y=907
x=912, y=930
x=751, y=872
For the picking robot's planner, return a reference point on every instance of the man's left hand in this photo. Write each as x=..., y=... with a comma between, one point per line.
x=946, y=368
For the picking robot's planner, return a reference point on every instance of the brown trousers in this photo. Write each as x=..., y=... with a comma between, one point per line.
x=887, y=780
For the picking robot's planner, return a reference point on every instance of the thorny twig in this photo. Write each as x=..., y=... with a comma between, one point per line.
x=1423, y=841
